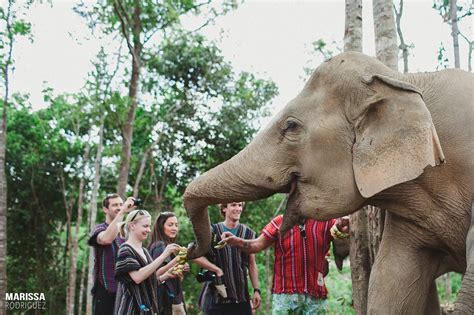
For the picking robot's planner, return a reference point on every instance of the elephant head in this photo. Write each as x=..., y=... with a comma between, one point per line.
x=355, y=129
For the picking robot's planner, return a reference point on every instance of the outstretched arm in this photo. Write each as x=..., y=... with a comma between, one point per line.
x=250, y=246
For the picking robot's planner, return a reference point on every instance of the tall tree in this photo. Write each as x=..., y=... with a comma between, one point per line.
x=71, y=295
x=137, y=21
x=93, y=213
x=386, y=48
x=403, y=46
x=453, y=17
x=13, y=28
x=470, y=44
x=359, y=251
x=452, y=11
x=353, y=26
x=99, y=89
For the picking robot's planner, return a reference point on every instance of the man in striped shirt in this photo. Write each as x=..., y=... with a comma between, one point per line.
x=231, y=266
x=299, y=266
x=106, y=242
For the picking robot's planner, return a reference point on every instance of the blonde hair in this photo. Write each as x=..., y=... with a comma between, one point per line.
x=133, y=216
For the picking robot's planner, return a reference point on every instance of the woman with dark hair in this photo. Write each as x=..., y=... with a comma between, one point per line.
x=170, y=294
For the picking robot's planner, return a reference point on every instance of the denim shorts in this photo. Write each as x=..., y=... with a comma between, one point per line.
x=297, y=304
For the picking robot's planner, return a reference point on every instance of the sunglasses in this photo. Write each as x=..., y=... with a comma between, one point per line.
x=139, y=212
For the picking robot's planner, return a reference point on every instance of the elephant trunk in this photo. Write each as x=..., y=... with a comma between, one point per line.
x=247, y=176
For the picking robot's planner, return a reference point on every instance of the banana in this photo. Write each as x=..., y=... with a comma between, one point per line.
x=180, y=261
x=220, y=245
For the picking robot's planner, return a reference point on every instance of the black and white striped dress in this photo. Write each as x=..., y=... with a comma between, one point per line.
x=134, y=298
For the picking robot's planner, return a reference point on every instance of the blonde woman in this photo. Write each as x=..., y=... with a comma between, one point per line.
x=135, y=269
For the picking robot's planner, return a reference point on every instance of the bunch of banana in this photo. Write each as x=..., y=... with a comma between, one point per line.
x=180, y=261
x=182, y=255
x=178, y=271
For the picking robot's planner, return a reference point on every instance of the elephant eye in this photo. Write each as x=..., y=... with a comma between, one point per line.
x=291, y=129
x=291, y=125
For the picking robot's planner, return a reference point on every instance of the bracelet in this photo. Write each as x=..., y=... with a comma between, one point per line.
x=257, y=290
x=161, y=281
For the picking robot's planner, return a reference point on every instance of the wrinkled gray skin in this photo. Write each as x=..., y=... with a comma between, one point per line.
x=465, y=301
x=357, y=134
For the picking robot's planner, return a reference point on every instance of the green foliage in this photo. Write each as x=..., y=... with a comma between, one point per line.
x=321, y=51
x=443, y=60
x=194, y=113
x=463, y=9
x=455, y=284
x=339, y=284
x=12, y=26
x=37, y=157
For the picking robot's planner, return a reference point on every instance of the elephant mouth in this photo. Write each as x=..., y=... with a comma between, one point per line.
x=293, y=214
x=290, y=187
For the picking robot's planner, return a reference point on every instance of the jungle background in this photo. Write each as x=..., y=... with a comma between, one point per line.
x=160, y=105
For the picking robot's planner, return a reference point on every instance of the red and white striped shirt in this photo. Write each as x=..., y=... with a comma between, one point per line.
x=299, y=262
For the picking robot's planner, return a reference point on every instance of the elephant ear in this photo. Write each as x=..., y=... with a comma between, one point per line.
x=395, y=136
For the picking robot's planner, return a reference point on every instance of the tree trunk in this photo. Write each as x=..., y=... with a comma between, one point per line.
x=360, y=260
x=454, y=31
x=3, y=147
x=353, y=27
x=93, y=214
x=470, y=44
x=359, y=252
x=127, y=132
x=375, y=221
x=73, y=267
x=403, y=46
x=447, y=287
x=469, y=57
x=3, y=207
x=81, y=287
x=386, y=48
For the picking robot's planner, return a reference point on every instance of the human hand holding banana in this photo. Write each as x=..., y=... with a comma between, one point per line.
x=180, y=266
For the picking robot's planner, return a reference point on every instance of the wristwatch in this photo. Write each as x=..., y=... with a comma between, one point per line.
x=257, y=290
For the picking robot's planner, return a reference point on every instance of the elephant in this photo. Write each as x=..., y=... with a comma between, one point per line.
x=362, y=134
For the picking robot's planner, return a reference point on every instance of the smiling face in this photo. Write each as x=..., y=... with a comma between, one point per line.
x=232, y=211
x=170, y=228
x=141, y=228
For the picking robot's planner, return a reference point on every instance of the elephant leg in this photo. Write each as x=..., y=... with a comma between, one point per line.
x=432, y=304
x=465, y=301
x=402, y=277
